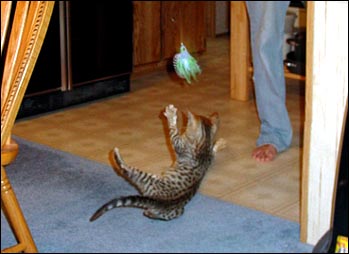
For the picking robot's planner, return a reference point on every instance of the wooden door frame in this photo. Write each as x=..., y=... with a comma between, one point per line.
x=326, y=103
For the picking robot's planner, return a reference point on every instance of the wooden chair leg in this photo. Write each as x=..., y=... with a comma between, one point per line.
x=10, y=205
x=15, y=217
x=9, y=152
x=22, y=37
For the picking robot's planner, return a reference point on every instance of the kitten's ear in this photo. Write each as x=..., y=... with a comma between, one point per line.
x=190, y=115
x=214, y=118
x=191, y=119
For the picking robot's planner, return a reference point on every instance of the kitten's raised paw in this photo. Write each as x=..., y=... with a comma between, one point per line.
x=171, y=113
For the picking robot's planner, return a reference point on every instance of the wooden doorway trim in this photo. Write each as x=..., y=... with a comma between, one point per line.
x=326, y=103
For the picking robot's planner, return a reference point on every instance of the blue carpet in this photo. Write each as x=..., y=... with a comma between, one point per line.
x=58, y=193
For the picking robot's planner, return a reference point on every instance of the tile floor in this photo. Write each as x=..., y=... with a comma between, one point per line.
x=133, y=122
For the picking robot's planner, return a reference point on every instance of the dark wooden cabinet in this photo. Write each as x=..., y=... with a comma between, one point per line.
x=160, y=27
x=146, y=32
x=91, y=48
x=47, y=71
x=101, y=40
x=86, y=55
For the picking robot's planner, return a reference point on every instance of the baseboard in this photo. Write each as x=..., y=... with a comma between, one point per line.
x=43, y=103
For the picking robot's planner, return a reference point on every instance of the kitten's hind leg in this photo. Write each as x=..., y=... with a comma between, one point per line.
x=151, y=214
x=118, y=163
x=141, y=180
x=163, y=214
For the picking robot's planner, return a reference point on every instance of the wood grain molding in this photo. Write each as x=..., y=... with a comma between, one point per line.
x=23, y=60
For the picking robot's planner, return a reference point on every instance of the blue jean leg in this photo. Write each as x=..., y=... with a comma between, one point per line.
x=267, y=21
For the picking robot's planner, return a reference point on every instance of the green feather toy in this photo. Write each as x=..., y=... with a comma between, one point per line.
x=185, y=65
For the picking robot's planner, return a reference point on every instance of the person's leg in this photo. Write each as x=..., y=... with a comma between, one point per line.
x=267, y=20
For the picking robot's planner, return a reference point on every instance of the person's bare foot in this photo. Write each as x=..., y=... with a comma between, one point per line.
x=264, y=153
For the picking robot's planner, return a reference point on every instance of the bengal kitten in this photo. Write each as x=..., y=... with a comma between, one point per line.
x=164, y=196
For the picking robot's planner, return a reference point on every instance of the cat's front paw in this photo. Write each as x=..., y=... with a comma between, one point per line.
x=171, y=114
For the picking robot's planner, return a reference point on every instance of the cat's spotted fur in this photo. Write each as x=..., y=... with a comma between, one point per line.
x=164, y=197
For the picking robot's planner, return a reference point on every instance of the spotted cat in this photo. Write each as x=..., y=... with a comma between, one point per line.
x=164, y=196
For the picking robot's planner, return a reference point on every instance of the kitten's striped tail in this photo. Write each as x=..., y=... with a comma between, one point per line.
x=129, y=201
